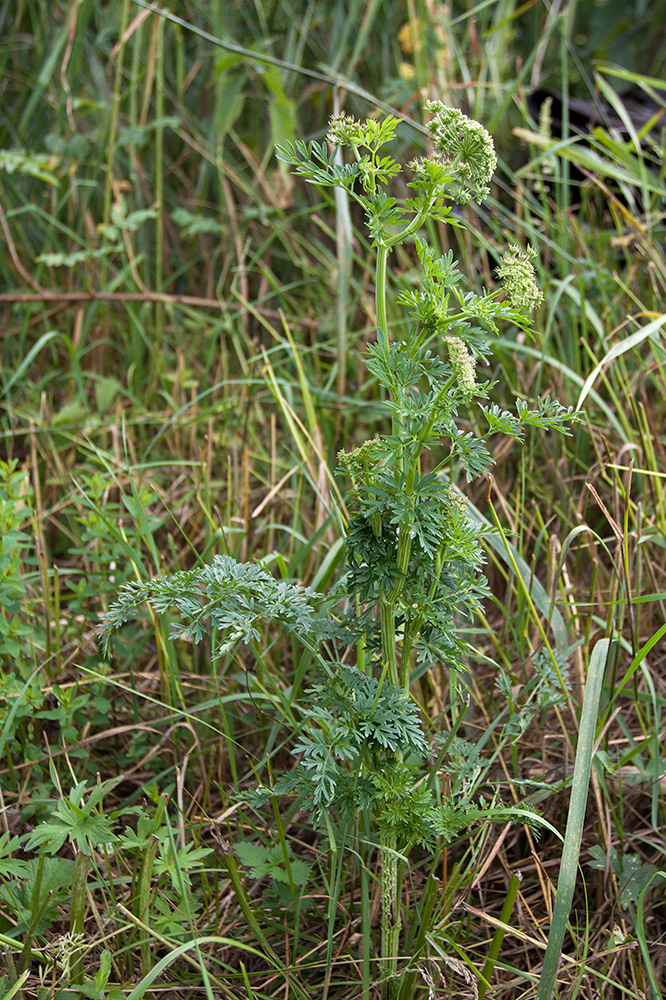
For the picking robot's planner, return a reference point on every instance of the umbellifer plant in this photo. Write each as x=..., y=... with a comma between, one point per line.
x=413, y=557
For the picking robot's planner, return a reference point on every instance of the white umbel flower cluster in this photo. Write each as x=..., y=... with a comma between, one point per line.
x=466, y=149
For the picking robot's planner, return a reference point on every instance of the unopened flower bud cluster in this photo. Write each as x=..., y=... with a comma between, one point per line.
x=464, y=366
x=519, y=278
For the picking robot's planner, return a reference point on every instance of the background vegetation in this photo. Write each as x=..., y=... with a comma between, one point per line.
x=182, y=356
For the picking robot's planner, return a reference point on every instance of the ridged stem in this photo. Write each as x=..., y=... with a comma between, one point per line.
x=390, y=881
x=380, y=288
x=389, y=648
x=390, y=915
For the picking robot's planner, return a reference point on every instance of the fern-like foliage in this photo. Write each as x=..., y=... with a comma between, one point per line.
x=358, y=727
x=232, y=597
x=316, y=164
x=413, y=559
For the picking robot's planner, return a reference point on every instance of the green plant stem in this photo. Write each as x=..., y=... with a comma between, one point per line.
x=366, y=928
x=391, y=872
x=115, y=110
x=387, y=599
x=159, y=183
x=380, y=288
x=389, y=647
x=77, y=912
x=413, y=227
x=498, y=936
x=389, y=868
x=35, y=915
x=390, y=913
x=142, y=902
x=391, y=878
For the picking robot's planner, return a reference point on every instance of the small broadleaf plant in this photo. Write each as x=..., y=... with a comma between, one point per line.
x=413, y=557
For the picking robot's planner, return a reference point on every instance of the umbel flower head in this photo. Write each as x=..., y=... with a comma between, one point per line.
x=362, y=462
x=344, y=130
x=466, y=149
x=519, y=278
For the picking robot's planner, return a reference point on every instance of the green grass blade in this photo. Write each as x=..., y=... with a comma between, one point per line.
x=18, y=985
x=140, y=989
x=574, y=832
x=498, y=937
x=655, y=992
x=28, y=359
x=651, y=330
x=532, y=586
